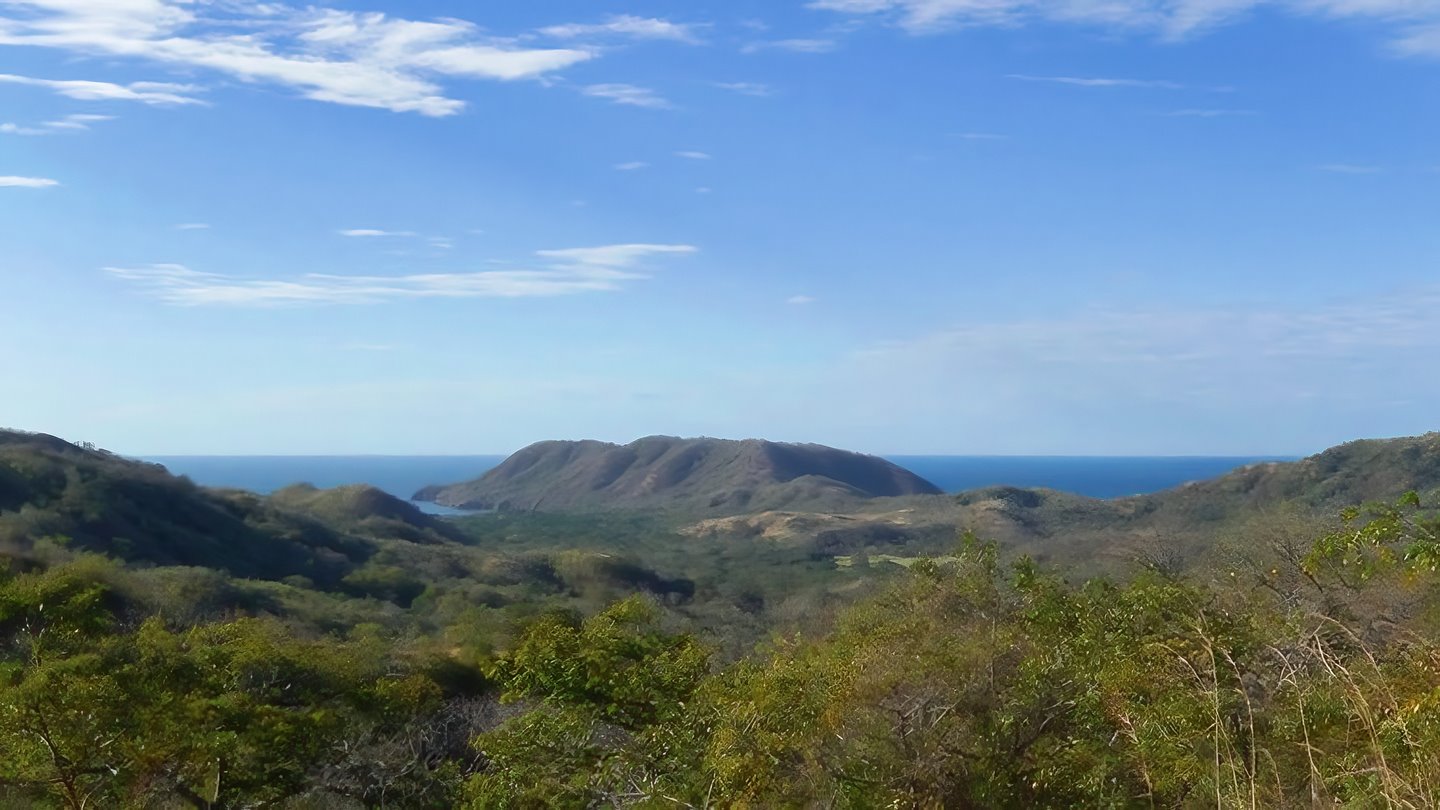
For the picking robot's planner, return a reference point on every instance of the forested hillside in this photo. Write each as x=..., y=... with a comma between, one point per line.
x=338, y=649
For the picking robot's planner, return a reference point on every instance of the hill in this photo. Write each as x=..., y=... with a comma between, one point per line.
x=368, y=511
x=1190, y=517
x=57, y=493
x=701, y=476
x=1090, y=535
x=92, y=500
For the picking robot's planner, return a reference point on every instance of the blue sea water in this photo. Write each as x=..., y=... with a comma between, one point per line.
x=402, y=476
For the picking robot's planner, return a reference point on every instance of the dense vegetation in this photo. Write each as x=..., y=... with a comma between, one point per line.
x=531, y=660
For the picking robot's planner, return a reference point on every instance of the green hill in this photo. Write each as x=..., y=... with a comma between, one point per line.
x=56, y=493
x=366, y=511
x=698, y=476
x=96, y=501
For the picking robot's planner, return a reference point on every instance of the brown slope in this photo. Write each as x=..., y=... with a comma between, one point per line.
x=714, y=476
x=1088, y=535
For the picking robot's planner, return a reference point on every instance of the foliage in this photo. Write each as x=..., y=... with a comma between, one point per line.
x=970, y=684
x=233, y=713
x=600, y=687
x=374, y=659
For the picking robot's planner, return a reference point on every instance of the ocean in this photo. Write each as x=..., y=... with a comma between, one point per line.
x=402, y=476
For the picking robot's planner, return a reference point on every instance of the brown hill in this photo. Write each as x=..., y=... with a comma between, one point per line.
x=705, y=476
x=1089, y=535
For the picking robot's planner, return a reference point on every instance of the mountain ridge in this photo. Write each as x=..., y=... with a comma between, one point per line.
x=701, y=474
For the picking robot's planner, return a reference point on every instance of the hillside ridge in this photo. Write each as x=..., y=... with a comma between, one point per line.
x=718, y=476
x=87, y=499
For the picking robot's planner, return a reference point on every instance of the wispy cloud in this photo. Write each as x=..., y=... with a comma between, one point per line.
x=1128, y=378
x=634, y=165
x=1137, y=337
x=12, y=181
x=693, y=155
x=1421, y=40
x=1174, y=353
x=193, y=226
x=980, y=136
x=792, y=45
x=569, y=271
x=629, y=26
x=160, y=94
x=1090, y=81
x=1349, y=168
x=78, y=122
x=367, y=59
x=1418, y=21
x=756, y=89
x=371, y=233
x=800, y=300
x=614, y=256
x=627, y=94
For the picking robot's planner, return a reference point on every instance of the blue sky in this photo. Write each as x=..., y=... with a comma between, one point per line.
x=898, y=226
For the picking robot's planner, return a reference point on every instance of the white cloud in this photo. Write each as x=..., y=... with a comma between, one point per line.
x=1419, y=41
x=792, y=45
x=343, y=57
x=631, y=166
x=77, y=123
x=1419, y=20
x=368, y=233
x=627, y=94
x=704, y=190
x=756, y=89
x=613, y=255
x=626, y=25
x=192, y=226
x=693, y=155
x=1081, y=81
x=152, y=93
x=568, y=272
x=800, y=300
x=12, y=181
x=70, y=123
x=980, y=136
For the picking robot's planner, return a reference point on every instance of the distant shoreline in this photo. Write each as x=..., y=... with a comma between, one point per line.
x=402, y=476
